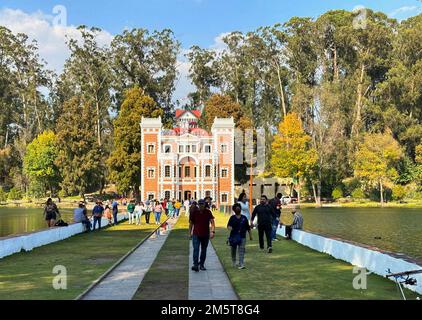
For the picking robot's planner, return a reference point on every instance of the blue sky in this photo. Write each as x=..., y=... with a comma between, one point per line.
x=198, y=22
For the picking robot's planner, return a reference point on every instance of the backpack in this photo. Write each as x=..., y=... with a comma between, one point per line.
x=61, y=223
x=235, y=239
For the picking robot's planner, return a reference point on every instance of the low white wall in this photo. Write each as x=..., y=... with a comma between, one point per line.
x=9, y=246
x=373, y=261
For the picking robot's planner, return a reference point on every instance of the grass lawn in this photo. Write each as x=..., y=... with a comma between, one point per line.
x=294, y=271
x=29, y=275
x=168, y=277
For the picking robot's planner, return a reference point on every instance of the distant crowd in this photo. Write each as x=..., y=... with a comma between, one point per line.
x=266, y=217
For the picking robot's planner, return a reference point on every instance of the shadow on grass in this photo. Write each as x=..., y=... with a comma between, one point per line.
x=295, y=272
x=29, y=275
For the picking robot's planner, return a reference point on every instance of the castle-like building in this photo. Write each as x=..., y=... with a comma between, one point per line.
x=188, y=162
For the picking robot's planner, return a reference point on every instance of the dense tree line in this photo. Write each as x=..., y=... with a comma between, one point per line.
x=349, y=92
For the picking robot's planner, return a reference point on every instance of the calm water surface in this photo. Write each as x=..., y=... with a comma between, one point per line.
x=400, y=230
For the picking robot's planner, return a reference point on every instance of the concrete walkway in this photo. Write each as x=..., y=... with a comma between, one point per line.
x=123, y=282
x=212, y=284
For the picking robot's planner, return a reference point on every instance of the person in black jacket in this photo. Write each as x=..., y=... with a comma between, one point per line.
x=265, y=215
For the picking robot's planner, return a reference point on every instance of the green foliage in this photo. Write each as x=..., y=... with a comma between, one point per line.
x=399, y=192
x=3, y=195
x=14, y=194
x=80, y=158
x=292, y=155
x=39, y=163
x=337, y=193
x=125, y=159
x=358, y=194
x=376, y=159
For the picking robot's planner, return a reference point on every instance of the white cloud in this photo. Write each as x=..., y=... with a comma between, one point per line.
x=51, y=38
x=406, y=11
x=53, y=49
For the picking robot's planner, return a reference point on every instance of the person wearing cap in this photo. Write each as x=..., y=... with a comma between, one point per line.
x=200, y=221
x=297, y=222
x=97, y=214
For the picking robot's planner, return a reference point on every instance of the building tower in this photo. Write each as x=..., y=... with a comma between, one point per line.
x=151, y=149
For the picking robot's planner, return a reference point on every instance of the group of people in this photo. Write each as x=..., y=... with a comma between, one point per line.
x=241, y=223
x=136, y=209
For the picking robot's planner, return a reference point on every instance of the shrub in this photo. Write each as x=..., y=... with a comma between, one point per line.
x=351, y=184
x=337, y=193
x=358, y=194
x=14, y=194
x=399, y=192
x=3, y=195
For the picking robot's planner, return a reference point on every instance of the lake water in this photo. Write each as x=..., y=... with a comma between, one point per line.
x=400, y=230
x=20, y=220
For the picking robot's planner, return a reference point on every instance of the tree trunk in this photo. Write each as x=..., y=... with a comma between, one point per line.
x=298, y=190
x=335, y=65
x=98, y=121
x=382, y=194
x=315, y=193
x=358, y=117
x=283, y=102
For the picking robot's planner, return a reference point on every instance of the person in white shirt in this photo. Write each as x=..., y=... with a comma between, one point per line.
x=187, y=206
x=139, y=209
x=244, y=205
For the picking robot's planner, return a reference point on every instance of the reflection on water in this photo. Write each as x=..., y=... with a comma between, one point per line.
x=393, y=229
x=21, y=220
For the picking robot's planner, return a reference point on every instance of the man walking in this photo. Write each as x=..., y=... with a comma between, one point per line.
x=276, y=206
x=199, y=230
x=264, y=213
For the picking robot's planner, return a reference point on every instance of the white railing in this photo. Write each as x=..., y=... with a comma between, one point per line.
x=27, y=242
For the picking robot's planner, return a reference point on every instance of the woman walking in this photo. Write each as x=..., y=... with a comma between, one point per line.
x=158, y=209
x=138, y=212
x=238, y=226
x=244, y=205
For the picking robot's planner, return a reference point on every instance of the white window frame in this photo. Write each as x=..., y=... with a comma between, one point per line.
x=221, y=197
x=148, y=145
x=148, y=169
x=181, y=148
x=205, y=148
x=169, y=191
x=164, y=148
x=165, y=175
x=151, y=194
x=205, y=171
x=221, y=172
x=227, y=148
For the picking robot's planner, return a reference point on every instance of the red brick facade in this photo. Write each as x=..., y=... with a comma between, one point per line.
x=188, y=162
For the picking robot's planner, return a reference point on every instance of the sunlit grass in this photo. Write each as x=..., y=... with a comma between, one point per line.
x=29, y=275
x=294, y=271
